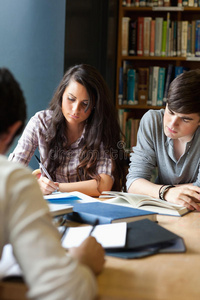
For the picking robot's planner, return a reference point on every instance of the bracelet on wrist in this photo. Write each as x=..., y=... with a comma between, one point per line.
x=163, y=189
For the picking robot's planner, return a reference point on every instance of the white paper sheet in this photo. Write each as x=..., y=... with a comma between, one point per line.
x=108, y=235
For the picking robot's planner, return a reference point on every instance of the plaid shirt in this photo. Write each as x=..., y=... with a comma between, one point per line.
x=34, y=136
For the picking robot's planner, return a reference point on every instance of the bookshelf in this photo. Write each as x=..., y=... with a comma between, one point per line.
x=181, y=51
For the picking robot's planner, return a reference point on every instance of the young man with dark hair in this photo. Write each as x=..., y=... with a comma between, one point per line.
x=169, y=139
x=26, y=224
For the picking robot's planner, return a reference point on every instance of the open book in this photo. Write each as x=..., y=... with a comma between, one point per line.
x=144, y=202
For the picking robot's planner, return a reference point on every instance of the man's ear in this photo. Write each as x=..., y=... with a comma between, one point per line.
x=7, y=137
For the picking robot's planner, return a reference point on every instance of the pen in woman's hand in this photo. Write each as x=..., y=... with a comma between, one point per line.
x=42, y=167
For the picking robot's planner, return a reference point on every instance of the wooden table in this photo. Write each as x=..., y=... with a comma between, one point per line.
x=161, y=276
x=157, y=277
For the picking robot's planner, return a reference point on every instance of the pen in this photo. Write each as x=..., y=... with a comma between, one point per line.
x=94, y=225
x=64, y=232
x=42, y=167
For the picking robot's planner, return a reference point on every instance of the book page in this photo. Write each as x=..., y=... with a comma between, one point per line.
x=108, y=235
x=137, y=200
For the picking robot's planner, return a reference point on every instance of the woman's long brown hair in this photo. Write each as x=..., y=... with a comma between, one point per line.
x=101, y=127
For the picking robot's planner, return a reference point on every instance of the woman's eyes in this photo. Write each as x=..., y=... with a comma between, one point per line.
x=71, y=99
x=83, y=104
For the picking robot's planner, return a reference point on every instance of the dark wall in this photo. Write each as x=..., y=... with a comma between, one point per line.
x=90, y=36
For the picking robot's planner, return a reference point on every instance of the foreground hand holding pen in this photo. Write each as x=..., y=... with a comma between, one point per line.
x=94, y=225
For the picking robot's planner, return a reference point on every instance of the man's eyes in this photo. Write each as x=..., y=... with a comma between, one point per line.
x=170, y=112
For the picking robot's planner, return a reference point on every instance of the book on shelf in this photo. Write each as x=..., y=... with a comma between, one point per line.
x=144, y=202
x=120, y=91
x=169, y=78
x=126, y=66
x=197, y=38
x=189, y=40
x=134, y=129
x=147, y=35
x=142, y=3
x=161, y=85
x=168, y=35
x=173, y=38
x=140, y=36
x=190, y=3
x=125, y=116
x=131, y=87
x=128, y=133
x=132, y=48
x=127, y=3
x=178, y=42
x=149, y=101
x=179, y=3
x=155, y=85
x=158, y=35
x=125, y=35
x=152, y=39
x=107, y=213
x=143, y=85
x=184, y=34
x=120, y=117
x=164, y=38
x=160, y=3
x=179, y=70
x=193, y=37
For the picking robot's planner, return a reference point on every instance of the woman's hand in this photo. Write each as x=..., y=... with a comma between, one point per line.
x=186, y=195
x=47, y=186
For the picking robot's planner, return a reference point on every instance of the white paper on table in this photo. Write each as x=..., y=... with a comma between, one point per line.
x=108, y=235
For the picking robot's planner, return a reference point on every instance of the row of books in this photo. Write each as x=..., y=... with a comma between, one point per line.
x=145, y=36
x=160, y=3
x=146, y=86
x=129, y=127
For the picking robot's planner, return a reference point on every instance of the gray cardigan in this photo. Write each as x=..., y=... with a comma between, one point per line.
x=155, y=149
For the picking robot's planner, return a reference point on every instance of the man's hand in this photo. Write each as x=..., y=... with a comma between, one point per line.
x=90, y=253
x=186, y=195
